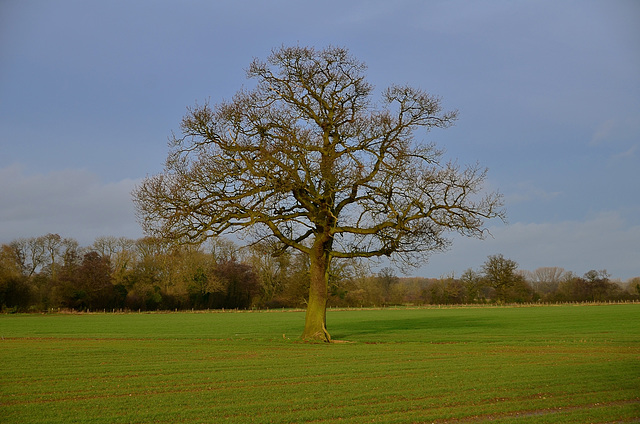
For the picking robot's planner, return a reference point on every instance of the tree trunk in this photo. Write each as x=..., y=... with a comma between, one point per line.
x=315, y=326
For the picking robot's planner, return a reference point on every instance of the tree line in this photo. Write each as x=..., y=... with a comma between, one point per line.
x=51, y=272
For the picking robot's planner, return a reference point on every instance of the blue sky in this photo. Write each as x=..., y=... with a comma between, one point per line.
x=548, y=94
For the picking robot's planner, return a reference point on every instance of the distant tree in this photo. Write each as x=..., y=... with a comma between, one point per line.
x=151, y=253
x=598, y=286
x=633, y=286
x=387, y=278
x=366, y=291
x=9, y=262
x=95, y=277
x=473, y=284
x=305, y=158
x=15, y=292
x=594, y=286
x=29, y=253
x=240, y=283
x=454, y=290
x=195, y=272
x=106, y=246
x=223, y=250
x=342, y=275
x=500, y=273
x=296, y=285
x=149, y=275
x=88, y=284
x=271, y=270
x=545, y=280
x=52, y=244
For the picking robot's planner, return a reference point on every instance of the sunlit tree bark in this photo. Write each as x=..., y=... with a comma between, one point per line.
x=306, y=159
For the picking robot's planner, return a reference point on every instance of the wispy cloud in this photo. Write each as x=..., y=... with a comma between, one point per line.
x=72, y=202
x=528, y=191
x=604, y=132
x=630, y=153
x=616, y=131
x=604, y=241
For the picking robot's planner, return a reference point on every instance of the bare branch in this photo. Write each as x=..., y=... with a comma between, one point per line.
x=304, y=157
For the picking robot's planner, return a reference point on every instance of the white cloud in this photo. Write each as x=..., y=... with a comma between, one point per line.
x=603, y=132
x=528, y=191
x=73, y=203
x=628, y=154
x=621, y=130
x=605, y=241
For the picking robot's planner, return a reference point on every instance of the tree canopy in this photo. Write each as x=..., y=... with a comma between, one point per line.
x=308, y=161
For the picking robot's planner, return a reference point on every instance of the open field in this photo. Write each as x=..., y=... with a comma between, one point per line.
x=552, y=364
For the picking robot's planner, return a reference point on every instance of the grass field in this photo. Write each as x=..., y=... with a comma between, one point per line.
x=552, y=364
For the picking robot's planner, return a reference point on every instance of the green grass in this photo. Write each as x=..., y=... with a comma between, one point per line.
x=569, y=364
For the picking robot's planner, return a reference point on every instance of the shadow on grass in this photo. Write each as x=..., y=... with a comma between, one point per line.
x=412, y=327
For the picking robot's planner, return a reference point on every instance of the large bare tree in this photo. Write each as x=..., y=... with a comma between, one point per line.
x=307, y=160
